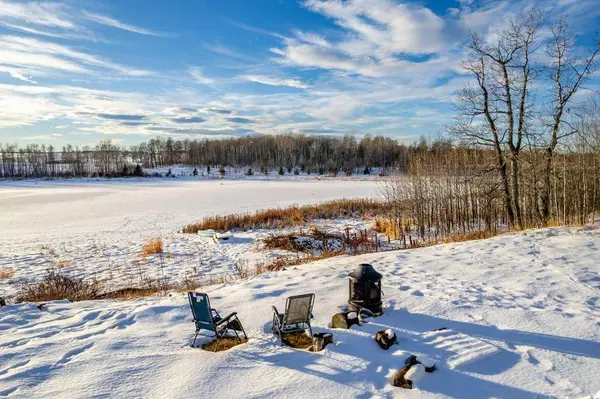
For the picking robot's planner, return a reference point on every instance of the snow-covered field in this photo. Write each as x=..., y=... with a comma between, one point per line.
x=97, y=228
x=522, y=314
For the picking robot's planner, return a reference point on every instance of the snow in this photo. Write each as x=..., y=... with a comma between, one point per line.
x=97, y=228
x=415, y=374
x=426, y=361
x=534, y=296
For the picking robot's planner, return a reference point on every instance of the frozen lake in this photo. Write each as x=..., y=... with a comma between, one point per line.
x=41, y=210
x=97, y=229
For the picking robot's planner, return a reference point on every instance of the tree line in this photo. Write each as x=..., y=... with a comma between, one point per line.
x=312, y=154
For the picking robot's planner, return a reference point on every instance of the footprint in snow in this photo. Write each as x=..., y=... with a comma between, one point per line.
x=417, y=293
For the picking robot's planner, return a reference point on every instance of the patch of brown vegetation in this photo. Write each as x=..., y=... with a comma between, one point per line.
x=55, y=286
x=318, y=240
x=154, y=246
x=281, y=262
x=291, y=216
x=130, y=293
x=6, y=273
x=223, y=344
x=298, y=340
x=477, y=235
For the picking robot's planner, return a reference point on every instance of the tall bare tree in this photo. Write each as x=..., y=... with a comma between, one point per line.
x=568, y=71
x=495, y=111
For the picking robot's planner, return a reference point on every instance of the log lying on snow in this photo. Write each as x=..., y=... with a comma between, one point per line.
x=344, y=320
x=386, y=338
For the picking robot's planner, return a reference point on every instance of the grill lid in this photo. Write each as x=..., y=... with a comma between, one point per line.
x=365, y=272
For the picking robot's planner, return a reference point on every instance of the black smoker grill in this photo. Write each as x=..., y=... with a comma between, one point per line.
x=365, y=290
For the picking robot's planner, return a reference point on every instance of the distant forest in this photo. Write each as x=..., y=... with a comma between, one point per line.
x=311, y=154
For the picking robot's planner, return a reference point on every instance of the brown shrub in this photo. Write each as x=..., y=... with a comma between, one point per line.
x=296, y=242
x=154, y=246
x=291, y=216
x=55, y=286
x=6, y=273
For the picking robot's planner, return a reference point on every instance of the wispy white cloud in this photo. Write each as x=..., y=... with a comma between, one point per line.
x=108, y=21
x=41, y=58
x=220, y=49
x=275, y=81
x=197, y=74
x=61, y=20
x=24, y=78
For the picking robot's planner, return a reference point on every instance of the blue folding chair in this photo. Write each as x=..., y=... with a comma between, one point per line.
x=208, y=319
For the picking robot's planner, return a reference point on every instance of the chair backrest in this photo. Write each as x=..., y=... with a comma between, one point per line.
x=298, y=309
x=200, y=305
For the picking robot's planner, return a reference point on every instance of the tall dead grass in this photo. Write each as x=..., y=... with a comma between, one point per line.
x=6, y=273
x=291, y=216
x=154, y=246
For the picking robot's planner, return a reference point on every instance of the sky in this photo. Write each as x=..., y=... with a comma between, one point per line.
x=76, y=72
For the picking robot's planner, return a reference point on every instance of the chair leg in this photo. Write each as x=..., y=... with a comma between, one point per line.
x=236, y=334
x=244, y=331
x=195, y=336
x=310, y=330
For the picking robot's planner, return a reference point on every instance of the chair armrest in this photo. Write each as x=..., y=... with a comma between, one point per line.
x=225, y=319
x=275, y=310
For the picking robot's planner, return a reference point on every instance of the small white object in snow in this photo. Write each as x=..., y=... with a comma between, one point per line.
x=206, y=233
x=390, y=333
x=351, y=316
x=223, y=236
x=426, y=361
x=415, y=373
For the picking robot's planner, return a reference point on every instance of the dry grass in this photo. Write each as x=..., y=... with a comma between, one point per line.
x=477, y=235
x=6, y=273
x=298, y=340
x=291, y=216
x=281, y=262
x=56, y=286
x=223, y=344
x=384, y=226
x=296, y=241
x=154, y=246
x=130, y=293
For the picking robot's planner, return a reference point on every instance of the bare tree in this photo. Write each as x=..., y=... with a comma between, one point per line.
x=495, y=111
x=568, y=71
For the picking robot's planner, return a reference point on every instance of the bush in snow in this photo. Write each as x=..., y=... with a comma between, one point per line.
x=281, y=171
x=56, y=286
x=154, y=246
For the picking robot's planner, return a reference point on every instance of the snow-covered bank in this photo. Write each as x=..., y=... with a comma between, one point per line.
x=522, y=313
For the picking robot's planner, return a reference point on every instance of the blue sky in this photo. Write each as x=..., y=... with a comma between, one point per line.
x=80, y=71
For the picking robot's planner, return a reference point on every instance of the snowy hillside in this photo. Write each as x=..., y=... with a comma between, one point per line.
x=522, y=314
